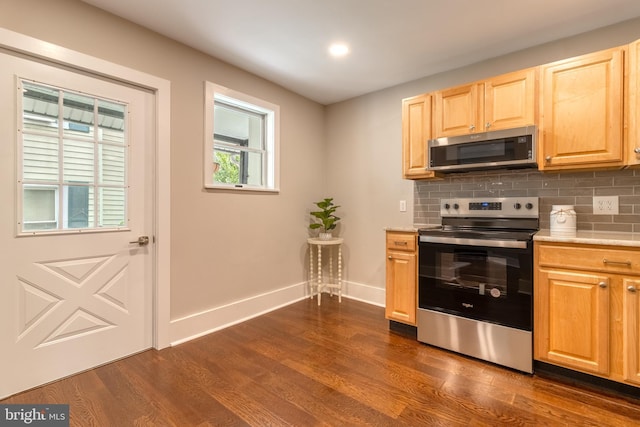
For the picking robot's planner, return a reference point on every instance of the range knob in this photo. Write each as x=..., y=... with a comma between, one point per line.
x=529, y=206
x=517, y=206
x=455, y=206
x=447, y=206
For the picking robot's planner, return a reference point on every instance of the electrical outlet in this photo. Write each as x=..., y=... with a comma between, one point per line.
x=605, y=205
x=403, y=205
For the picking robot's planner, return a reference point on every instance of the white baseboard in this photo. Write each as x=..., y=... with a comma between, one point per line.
x=208, y=321
x=365, y=293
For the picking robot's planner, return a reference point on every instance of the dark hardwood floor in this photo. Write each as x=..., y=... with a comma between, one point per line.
x=333, y=365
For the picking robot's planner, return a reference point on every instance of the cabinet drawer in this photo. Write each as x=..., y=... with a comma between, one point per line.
x=401, y=241
x=590, y=258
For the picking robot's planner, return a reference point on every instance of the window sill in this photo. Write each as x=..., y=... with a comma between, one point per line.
x=241, y=188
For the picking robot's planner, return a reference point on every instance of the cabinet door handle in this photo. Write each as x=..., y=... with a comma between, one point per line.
x=487, y=125
x=631, y=288
x=602, y=284
x=608, y=261
x=636, y=150
x=472, y=127
x=390, y=257
x=548, y=158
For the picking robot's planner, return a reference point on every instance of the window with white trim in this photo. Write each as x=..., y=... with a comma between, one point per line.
x=241, y=141
x=72, y=165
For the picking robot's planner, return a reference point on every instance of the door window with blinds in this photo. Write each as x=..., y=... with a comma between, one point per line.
x=72, y=163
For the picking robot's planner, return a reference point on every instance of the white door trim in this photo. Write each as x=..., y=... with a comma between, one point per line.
x=33, y=47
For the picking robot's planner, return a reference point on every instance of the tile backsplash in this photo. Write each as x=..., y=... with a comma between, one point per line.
x=567, y=188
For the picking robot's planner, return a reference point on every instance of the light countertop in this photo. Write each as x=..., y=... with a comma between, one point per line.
x=411, y=229
x=592, y=238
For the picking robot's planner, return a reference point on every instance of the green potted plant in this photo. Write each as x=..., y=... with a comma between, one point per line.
x=324, y=219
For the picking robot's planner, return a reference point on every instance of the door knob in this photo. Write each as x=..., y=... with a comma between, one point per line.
x=142, y=240
x=631, y=288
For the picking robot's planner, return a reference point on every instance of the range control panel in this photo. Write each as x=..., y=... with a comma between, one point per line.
x=491, y=207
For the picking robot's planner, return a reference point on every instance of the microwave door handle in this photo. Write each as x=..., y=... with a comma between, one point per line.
x=518, y=244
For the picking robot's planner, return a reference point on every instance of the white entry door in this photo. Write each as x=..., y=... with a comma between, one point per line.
x=76, y=187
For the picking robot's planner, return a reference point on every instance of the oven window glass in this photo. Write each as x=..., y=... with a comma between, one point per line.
x=484, y=283
x=473, y=272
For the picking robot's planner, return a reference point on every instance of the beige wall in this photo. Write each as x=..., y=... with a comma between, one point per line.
x=364, y=139
x=231, y=246
x=225, y=246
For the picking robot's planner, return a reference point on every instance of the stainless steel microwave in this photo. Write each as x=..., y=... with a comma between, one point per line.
x=509, y=148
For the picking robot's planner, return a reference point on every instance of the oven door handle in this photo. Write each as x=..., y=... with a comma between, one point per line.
x=519, y=244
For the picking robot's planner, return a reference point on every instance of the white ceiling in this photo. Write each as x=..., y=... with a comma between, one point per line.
x=391, y=41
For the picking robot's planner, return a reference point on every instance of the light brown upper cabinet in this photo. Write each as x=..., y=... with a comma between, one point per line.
x=502, y=102
x=633, y=109
x=581, y=122
x=416, y=131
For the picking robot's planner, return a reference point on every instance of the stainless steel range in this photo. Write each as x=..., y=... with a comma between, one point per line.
x=476, y=280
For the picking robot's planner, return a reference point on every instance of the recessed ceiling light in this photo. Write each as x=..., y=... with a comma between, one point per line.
x=338, y=49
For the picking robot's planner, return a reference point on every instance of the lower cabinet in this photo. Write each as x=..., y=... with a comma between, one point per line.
x=401, y=277
x=587, y=309
x=631, y=333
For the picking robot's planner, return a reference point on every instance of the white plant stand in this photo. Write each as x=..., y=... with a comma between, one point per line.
x=317, y=284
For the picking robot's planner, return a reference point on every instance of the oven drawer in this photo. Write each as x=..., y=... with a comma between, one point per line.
x=589, y=258
x=398, y=241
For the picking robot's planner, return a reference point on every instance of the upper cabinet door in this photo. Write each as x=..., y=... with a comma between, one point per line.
x=504, y=102
x=511, y=100
x=633, y=106
x=581, y=122
x=416, y=131
x=458, y=110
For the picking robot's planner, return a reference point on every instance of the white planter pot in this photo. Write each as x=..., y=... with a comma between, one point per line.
x=325, y=236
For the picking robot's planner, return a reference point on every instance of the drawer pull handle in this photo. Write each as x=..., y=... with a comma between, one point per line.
x=631, y=288
x=399, y=243
x=602, y=284
x=608, y=261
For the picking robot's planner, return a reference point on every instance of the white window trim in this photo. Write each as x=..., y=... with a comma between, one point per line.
x=272, y=137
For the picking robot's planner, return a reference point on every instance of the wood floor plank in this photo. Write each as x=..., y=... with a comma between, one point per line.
x=332, y=365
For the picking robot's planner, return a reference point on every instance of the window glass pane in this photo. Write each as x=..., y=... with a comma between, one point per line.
x=111, y=207
x=39, y=109
x=227, y=167
x=253, y=169
x=112, y=164
x=74, y=177
x=40, y=158
x=240, y=125
x=39, y=208
x=78, y=163
x=78, y=115
x=238, y=167
x=79, y=200
x=111, y=122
